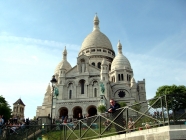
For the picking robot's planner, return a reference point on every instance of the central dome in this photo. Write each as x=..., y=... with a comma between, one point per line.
x=96, y=39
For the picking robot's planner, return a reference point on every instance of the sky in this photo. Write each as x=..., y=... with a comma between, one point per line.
x=33, y=35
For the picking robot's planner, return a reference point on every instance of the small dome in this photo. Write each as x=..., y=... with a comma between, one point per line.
x=96, y=38
x=64, y=64
x=120, y=61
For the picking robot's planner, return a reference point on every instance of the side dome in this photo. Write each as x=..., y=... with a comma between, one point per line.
x=64, y=64
x=96, y=39
x=120, y=61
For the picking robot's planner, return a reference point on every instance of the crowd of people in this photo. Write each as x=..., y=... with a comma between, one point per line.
x=12, y=125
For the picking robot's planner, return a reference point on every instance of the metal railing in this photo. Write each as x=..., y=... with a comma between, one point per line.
x=152, y=113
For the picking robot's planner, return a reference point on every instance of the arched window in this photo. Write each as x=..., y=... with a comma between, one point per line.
x=109, y=66
x=122, y=77
x=82, y=83
x=95, y=87
x=70, y=89
x=83, y=65
x=118, y=77
x=99, y=65
x=93, y=63
x=95, y=92
x=70, y=94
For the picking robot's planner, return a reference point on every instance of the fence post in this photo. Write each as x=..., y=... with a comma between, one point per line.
x=80, y=129
x=127, y=115
x=162, y=112
x=27, y=134
x=167, y=110
x=64, y=131
x=173, y=112
x=61, y=129
x=100, y=126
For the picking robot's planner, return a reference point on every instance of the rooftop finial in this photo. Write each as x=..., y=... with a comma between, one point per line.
x=65, y=54
x=119, y=47
x=96, y=22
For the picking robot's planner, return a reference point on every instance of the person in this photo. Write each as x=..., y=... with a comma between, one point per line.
x=88, y=119
x=13, y=128
x=1, y=124
x=131, y=126
x=107, y=125
x=65, y=120
x=116, y=116
x=23, y=125
x=27, y=123
x=62, y=118
x=124, y=124
x=147, y=126
x=79, y=116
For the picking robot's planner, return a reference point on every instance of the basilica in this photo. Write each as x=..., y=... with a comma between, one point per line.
x=99, y=75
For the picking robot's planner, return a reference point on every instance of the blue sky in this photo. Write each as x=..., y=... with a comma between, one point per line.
x=33, y=35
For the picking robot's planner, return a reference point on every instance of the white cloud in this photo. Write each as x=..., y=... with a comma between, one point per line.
x=157, y=71
x=35, y=58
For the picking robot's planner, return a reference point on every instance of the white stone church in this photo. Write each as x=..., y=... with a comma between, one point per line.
x=79, y=86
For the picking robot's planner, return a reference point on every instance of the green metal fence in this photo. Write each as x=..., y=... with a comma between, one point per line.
x=152, y=113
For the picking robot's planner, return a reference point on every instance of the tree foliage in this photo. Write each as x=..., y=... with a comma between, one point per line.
x=136, y=106
x=122, y=104
x=176, y=96
x=102, y=108
x=5, y=109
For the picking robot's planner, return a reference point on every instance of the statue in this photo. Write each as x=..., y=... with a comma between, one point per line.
x=56, y=91
x=102, y=88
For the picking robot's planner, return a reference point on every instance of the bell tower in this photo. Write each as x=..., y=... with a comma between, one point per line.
x=18, y=109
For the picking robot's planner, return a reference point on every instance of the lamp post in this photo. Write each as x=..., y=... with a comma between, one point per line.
x=53, y=81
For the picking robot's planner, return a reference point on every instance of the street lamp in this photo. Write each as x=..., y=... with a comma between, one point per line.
x=53, y=81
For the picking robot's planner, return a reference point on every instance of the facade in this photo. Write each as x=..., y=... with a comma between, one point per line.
x=18, y=109
x=98, y=68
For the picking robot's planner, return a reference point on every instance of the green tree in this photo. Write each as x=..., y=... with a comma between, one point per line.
x=102, y=108
x=136, y=106
x=122, y=104
x=5, y=108
x=176, y=96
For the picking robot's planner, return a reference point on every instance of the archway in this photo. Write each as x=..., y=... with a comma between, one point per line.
x=92, y=110
x=76, y=111
x=63, y=112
